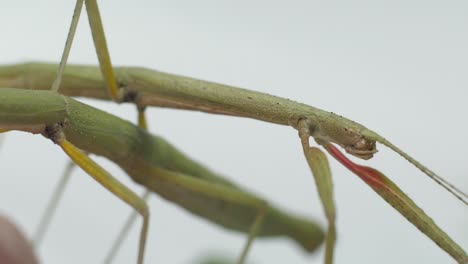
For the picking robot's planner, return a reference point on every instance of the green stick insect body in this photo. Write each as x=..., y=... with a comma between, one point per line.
x=142, y=155
x=172, y=91
x=152, y=88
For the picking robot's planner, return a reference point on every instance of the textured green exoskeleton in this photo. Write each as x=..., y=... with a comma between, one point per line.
x=152, y=162
x=147, y=87
x=155, y=164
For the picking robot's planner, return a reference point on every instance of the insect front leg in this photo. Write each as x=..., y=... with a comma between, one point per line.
x=394, y=196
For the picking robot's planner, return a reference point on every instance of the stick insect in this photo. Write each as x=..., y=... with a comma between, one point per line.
x=313, y=96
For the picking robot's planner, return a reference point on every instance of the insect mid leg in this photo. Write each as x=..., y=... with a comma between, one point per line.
x=132, y=217
x=171, y=184
x=320, y=168
x=256, y=226
x=124, y=231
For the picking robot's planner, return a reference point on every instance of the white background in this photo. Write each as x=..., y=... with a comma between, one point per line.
x=398, y=67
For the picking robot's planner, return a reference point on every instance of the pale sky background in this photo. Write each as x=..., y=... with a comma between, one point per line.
x=398, y=67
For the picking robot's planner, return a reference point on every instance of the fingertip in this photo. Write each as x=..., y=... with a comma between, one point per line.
x=14, y=247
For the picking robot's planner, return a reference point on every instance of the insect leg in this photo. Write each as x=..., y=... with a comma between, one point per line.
x=124, y=231
x=257, y=224
x=66, y=51
x=132, y=217
x=320, y=168
x=394, y=196
x=113, y=185
x=52, y=204
x=174, y=186
x=100, y=44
